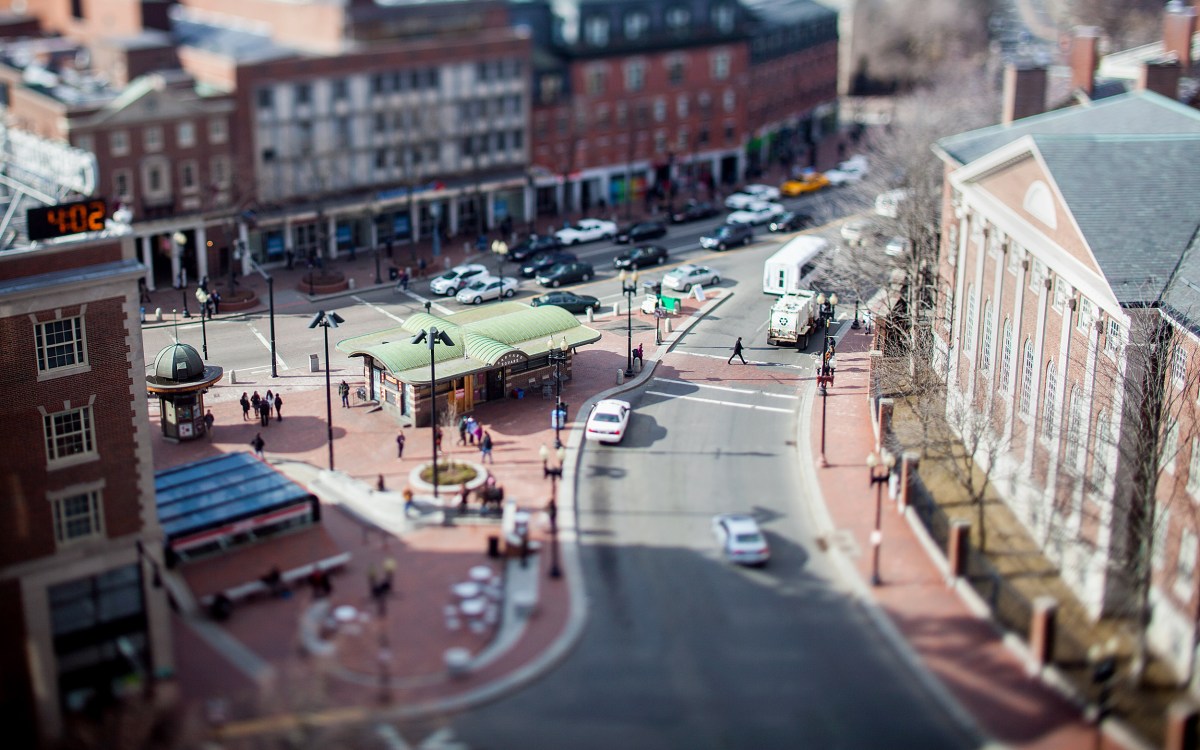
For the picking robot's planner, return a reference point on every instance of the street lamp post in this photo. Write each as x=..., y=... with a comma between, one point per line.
x=378, y=277
x=202, y=298
x=887, y=460
x=432, y=337
x=558, y=357
x=856, y=324
x=553, y=473
x=825, y=370
x=326, y=321
x=629, y=289
x=500, y=250
x=180, y=239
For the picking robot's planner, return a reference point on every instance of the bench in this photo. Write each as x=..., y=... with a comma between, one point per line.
x=251, y=589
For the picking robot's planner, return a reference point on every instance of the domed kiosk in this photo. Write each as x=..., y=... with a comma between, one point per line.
x=179, y=379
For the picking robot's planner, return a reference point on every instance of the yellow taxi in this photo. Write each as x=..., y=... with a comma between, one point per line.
x=806, y=183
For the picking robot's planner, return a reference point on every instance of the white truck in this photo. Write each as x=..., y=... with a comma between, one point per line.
x=790, y=269
x=793, y=319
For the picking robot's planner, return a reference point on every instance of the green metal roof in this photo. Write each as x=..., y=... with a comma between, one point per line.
x=481, y=336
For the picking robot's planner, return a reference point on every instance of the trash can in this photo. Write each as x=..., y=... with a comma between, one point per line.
x=493, y=546
x=393, y=273
x=314, y=363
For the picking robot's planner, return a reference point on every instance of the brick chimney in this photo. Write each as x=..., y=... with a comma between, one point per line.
x=1024, y=91
x=1161, y=77
x=1084, y=44
x=1179, y=25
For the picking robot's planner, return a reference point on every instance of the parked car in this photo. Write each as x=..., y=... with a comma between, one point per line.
x=641, y=256
x=860, y=231
x=487, y=287
x=642, y=231
x=694, y=211
x=726, y=236
x=531, y=246
x=760, y=212
x=848, y=172
x=741, y=540
x=750, y=193
x=544, y=261
x=569, y=301
x=608, y=421
x=897, y=246
x=587, y=230
x=685, y=277
x=456, y=278
x=790, y=221
x=566, y=273
x=809, y=182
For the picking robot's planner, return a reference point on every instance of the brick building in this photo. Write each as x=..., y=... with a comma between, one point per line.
x=1068, y=317
x=85, y=623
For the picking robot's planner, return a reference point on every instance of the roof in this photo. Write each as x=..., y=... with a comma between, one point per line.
x=1135, y=113
x=214, y=491
x=485, y=337
x=780, y=12
x=244, y=46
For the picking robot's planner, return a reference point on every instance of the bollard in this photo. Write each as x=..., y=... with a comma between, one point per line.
x=350, y=281
x=158, y=315
x=960, y=537
x=616, y=308
x=1041, y=631
x=233, y=377
x=637, y=365
x=620, y=376
x=591, y=314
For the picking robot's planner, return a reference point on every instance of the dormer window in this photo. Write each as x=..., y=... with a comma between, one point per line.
x=678, y=17
x=636, y=25
x=595, y=31
x=722, y=18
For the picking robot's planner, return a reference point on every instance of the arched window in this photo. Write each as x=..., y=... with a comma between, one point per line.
x=1074, y=425
x=968, y=334
x=1006, y=345
x=1179, y=367
x=1100, y=451
x=986, y=359
x=1027, y=379
x=1048, y=400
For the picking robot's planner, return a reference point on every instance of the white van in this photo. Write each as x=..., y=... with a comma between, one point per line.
x=789, y=270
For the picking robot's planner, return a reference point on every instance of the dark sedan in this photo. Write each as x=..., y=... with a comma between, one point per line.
x=566, y=273
x=531, y=246
x=641, y=256
x=642, y=231
x=695, y=211
x=545, y=261
x=791, y=221
x=569, y=301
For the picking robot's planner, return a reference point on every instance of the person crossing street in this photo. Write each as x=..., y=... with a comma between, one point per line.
x=737, y=351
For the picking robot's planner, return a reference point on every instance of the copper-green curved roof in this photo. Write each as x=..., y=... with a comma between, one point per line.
x=481, y=337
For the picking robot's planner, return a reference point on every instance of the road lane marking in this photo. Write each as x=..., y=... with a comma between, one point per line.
x=722, y=403
x=747, y=391
x=752, y=362
x=376, y=308
x=278, y=359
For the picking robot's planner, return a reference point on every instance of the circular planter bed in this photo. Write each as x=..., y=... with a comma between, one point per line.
x=238, y=300
x=452, y=474
x=323, y=282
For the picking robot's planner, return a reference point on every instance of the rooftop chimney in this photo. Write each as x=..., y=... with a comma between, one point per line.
x=1024, y=91
x=1161, y=77
x=1084, y=58
x=1179, y=25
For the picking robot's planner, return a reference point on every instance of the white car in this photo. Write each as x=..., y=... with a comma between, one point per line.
x=897, y=246
x=489, y=287
x=750, y=194
x=685, y=277
x=759, y=212
x=587, y=230
x=608, y=420
x=741, y=540
x=848, y=172
x=456, y=278
x=859, y=231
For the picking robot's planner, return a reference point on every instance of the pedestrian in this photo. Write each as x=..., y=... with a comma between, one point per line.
x=408, y=500
x=437, y=437
x=215, y=297
x=269, y=402
x=421, y=265
x=476, y=432
x=485, y=448
x=404, y=279
x=463, y=494
x=278, y=408
x=462, y=430
x=400, y=444
x=208, y=423
x=389, y=571
x=737, y=351
x=637, y=354
x=379, y=486
x=245, y=402
x=344, y=392
x=255, y=400
x=264, y=413
x=258, y=444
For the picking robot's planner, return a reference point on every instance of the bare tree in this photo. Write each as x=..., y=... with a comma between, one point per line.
x=1127, y=23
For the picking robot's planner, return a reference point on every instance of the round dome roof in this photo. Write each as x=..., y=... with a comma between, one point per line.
x=178, y=362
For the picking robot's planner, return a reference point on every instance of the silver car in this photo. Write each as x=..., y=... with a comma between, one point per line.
x=685, y=277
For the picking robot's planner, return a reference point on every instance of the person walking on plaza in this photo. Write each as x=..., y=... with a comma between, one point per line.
x=278, y=408
x=344, y=392
x=485, y=448
x=462, y=430
x=737, y=351
x=437, y=437
x=637, y=355
x=258, y=443
x=255, y=400
x=408, y=500
x=208, y=423
x=476, y=432
x=245, y=402
x=264, y=413
x=269, y=402
x=400, y=444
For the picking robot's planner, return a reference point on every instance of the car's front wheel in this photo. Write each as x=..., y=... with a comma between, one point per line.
x=477, y=301
x=587, y=277
x=660, y=260
x=715, y=280
x=509, y=292
x=555, y=283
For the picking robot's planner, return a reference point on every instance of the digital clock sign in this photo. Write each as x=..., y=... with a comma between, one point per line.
x=47, y=222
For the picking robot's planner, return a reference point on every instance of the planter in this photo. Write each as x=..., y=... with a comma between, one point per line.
x=425, y=486
x=323, y=282
x=239, y=300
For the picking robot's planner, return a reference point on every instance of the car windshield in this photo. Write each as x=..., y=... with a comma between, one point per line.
x=477, y=285
x=607, y=417
x=725, y=231
x=749, y=538
x=560, y=268
x=449, y=275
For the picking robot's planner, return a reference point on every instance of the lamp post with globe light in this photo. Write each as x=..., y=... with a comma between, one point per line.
x=629, y=288
x=327, y=320
x=887, y=461
x=553, y=473
x=558, y=357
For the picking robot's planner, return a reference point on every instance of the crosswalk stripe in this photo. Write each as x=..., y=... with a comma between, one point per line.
x=722, y=403
x=749, y=362
x=726, y=388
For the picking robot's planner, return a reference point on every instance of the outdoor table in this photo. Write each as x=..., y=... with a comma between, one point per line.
x=466, y=590
x=481, y=573
x=473, y=607
x=345, y=613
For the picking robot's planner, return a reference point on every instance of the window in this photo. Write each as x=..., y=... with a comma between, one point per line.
x=219, y=168
x=380, y=122
x=1179, y=367
x=636, y=24
x=1193, y=480
x=218, y=130
x=154, y=180
x=69, y=433
x=118, y=143
x=675, y=71
x=85, y=142
x=185, y=134
x=968, y=333
x=77, y=517
x=187, y=175
x=722, y=18
x=1162, y=525
x=1185, y=566
x=635, y=76
x=678, y=17
x=341, y=91
x=60, y=344
x=343, y=132
x=1112, y=340
x=597, y=80
x=266, y=98
x=378, y=83
x=1048, y=401
x=681, y=106
x=1085, y=316
x=1074, y=426
x=728, y=100
x=1006, y=345
x=1100, y=451
x=595, y=31
x=303, y=93
x=121, y=184
x=986, y=355
x=1170, y=446
x=1027, y=379
x=660, y=109
x=720, y=66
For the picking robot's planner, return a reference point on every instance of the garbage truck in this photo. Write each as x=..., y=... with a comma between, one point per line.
x=793, y=319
